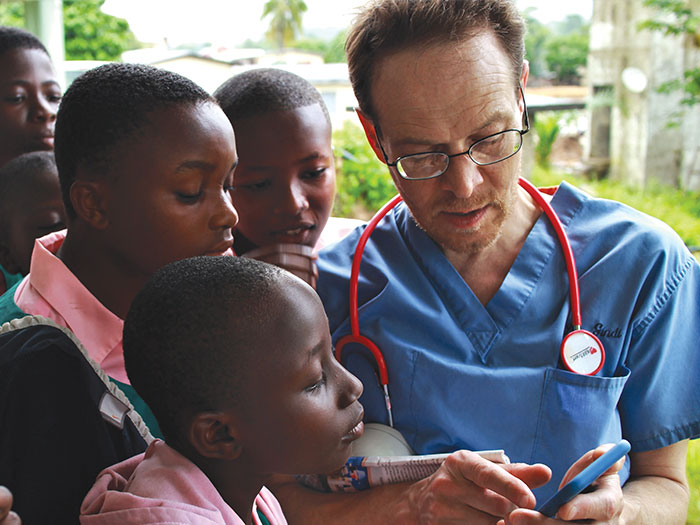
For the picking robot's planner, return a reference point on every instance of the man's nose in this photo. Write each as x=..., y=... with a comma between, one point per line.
x=462, y=177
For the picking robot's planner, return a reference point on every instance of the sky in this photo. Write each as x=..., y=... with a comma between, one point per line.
x=231, y=22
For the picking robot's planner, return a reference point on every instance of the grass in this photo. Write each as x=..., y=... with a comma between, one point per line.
x=693, y=470
x=680, y=210
x=677, y=208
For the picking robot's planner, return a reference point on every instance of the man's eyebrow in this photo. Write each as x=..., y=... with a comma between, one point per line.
x=490, y=119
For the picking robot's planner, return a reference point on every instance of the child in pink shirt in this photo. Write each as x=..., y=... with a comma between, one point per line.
x=234, y=357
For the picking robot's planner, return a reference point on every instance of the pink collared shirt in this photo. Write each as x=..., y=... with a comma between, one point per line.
x=53, y=291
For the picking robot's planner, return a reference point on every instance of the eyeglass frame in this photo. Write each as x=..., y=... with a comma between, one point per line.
x=467, y=152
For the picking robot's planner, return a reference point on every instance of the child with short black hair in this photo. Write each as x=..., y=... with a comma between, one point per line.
x=235, y=358
x=285, y=182
x=29, y=94
x=30, y=207
x=145, y=160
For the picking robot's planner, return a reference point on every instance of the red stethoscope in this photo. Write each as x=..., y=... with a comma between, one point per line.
x=581, y=351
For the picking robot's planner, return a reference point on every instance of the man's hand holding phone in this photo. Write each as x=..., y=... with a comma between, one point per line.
x=597, y=469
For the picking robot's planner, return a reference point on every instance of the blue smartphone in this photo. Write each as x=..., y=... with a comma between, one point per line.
x=584, y=479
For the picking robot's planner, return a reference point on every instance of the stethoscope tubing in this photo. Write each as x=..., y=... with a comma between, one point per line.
x=565, y=246
x=356, y=337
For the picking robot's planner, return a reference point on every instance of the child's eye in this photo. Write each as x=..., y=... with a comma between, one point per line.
x=314, y=174
x=317, y=385
x=254, y=186
x=54, y=98
x=15, y=99
x=188, y=198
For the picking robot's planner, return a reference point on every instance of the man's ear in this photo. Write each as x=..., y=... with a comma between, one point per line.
x=371, y=134
x=6, y=259
x=214, y=435
x=89, y=200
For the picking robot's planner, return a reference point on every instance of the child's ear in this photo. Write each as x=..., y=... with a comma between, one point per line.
x=371, y=133
x=89, y=200
x=6, y=259
x=213, y=435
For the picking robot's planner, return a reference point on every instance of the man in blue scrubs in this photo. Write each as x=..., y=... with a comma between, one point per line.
x=464, y=288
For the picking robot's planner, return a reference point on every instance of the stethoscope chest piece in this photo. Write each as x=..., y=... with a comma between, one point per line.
x=582, y=352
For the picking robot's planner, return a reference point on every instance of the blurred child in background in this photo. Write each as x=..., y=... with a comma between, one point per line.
x=30, y=207
x=29, y=94
x=29, y=97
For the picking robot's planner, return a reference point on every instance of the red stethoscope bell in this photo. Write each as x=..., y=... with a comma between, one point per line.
x=582, y=353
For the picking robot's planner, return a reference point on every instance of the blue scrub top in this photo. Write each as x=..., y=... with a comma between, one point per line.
x=462, y=375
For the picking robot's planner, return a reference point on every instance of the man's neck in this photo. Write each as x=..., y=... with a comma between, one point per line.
x=484, y=271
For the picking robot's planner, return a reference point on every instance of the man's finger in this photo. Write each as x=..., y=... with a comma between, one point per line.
x=5, y=501
x=490, y=476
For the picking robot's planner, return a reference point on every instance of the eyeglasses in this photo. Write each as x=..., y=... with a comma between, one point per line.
x=488, y=150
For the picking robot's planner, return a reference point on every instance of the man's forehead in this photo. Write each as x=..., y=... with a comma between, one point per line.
x=430, y=81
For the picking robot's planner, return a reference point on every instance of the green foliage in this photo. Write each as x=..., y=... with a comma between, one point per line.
x=285, y=20
x=333, y=51
x=684, y=21
x=676, y=18
x=558, y=50
x=693, y=469
x=12, y=14
x=680, y=209
x=90, y=34
x=364, y=183
x=566, y=54
x=535, y=44
x=546, y=125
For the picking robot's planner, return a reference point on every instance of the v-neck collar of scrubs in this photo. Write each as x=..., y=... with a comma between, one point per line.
x=484, y=324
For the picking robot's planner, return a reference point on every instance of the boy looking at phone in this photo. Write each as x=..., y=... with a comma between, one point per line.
x=285, y=182
x=234, y=356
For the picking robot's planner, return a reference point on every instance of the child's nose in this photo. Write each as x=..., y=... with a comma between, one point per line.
x=350, y=386
x=225, y=216
x=294, y=200
x=44, y=109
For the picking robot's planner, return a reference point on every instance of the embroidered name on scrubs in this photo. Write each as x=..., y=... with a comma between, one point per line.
x=599, y=330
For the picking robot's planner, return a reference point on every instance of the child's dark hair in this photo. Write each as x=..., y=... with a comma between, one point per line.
x=107, y=105
x=192, y=323
x=259, y=91
x=19, y=177
x=15, y=38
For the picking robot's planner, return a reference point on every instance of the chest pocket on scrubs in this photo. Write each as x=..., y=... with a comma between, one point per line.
x=578, y=412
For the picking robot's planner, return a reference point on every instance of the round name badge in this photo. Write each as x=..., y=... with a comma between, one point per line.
x=582, y=353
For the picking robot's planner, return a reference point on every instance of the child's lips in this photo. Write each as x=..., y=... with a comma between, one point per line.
x=356, y=431
x=294, y=233
x=221, y=248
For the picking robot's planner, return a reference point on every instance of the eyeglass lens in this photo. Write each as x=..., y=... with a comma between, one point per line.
x=486, y=151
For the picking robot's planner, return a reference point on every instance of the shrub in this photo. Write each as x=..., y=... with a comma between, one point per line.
x=364, y=183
